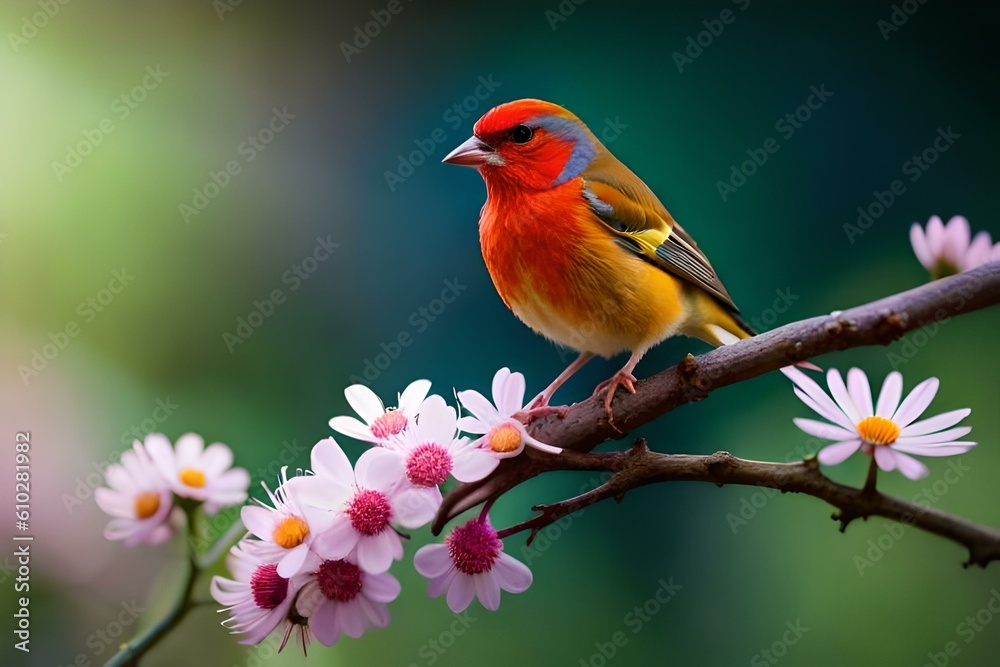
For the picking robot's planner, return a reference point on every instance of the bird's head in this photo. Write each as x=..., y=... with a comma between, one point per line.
x=529, y=144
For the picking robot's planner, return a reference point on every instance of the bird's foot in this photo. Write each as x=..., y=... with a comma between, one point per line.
x=620, y=379
x=536, y=410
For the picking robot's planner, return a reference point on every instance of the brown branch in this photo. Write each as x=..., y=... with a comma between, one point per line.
x=877, y=323
x=639, y=467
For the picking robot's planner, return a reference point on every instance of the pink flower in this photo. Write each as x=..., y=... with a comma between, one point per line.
x=947, y=249
x=139, y=499
x=199, y=473
x=288, y=528
x=347, y=600
x=502, y=435
x=888, y=431
x=380, y=423
x=469, y=564
x=364, y=503
x=258, y=598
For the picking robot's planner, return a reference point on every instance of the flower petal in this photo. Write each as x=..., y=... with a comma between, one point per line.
x=499, y=382
x=839, y=452
x=481, y=408
x=860, y=391
x=382, y=588
x=473, y=425
x=472, y=464
x=158, y=447
x=412, y=397
x=380, y=469
x=824, y=430
x=513, y=575
x=888, y=397
x=432, y=561
x=512, y=398
x=188, y=449
x=375, y=552
x=325, y=623
x=920, y=248
x=822, y=404
x=885, y=458
x=438, y=421
x=461, y=592
x=416, y=506
x=944, y=420
x=260, y=521
x=910, y=467
x=488, y=590
x=216, y=458
x=364, y=401
x=840, y=394
x=916, y=402
x=831, y=412
x=329, y=460
x=353, y=428
x=935, y=438
x=949, y=449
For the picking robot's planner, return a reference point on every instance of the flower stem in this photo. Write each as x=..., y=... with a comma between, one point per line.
x=128, y=654
x=869, y=488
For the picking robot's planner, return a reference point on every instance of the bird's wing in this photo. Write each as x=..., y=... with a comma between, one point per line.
x=646, y=229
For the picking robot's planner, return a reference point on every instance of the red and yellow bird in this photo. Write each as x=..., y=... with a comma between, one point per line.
x=581, y=250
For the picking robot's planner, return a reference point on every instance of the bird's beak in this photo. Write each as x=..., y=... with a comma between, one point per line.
x=472, y=153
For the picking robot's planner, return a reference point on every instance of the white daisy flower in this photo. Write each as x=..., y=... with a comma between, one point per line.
x=469, y=564
x=380, y=423
x=889, y=430
x=200, y=473
x=139, y=500
x=502, y=435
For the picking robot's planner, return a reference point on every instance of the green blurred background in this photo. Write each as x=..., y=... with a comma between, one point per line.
x=158, y=346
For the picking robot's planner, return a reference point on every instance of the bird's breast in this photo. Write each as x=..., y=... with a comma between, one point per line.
x=559, y=270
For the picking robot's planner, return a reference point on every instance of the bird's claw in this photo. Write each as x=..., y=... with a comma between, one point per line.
x=620, y=379
x=533, y=412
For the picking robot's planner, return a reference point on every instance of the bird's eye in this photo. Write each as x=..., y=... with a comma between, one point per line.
x=521, y=134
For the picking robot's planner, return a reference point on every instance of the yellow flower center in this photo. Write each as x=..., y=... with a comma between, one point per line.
x=146, y=504
x=878, y=430
x=505, y=438
x=291, y=532
x=192, y=477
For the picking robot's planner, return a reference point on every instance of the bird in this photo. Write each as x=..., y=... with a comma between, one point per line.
x=582, y=251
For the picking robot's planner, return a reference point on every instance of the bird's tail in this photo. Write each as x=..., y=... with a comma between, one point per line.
x=724, y=327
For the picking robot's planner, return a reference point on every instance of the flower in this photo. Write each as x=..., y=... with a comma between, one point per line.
x=139, y=499
x=503, y=436
x=259, y=599
x=364, y=502
x=288, y=528
x=946, y=249
x=471, y=563
x=347, y=599
x=380, y=423
x=199, y=473
x=888, y=431
x=429, y=452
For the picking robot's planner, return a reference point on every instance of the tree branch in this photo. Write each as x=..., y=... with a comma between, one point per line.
x=880, y=322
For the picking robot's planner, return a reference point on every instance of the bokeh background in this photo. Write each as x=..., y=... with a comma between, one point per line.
x=155, y=355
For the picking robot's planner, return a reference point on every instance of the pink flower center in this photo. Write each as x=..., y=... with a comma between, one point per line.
x=339, y=580
x=391, y=423
x=268, y=587
x=369, y=512
x=428, y=465
x=474, y=547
